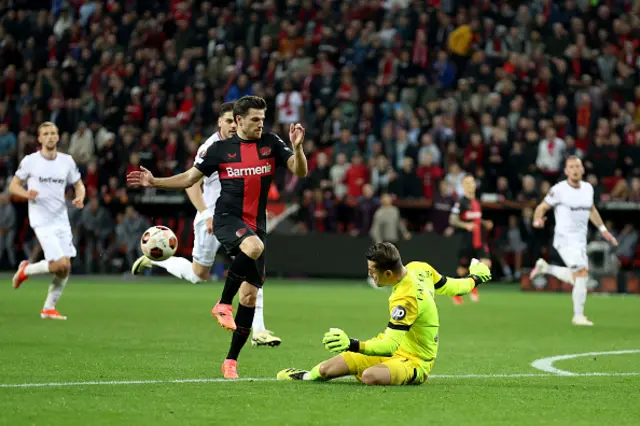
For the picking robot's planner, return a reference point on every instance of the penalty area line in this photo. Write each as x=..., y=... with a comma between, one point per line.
x=268, y=379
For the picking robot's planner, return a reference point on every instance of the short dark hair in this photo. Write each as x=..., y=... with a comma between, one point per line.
x=242, y=106
x=226, y=107
x=385, y=256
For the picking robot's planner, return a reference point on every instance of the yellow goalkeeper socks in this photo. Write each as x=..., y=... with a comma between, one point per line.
x=314, y=374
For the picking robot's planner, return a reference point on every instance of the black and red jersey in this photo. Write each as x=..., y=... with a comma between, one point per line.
x=246, y=169
x=470, y=211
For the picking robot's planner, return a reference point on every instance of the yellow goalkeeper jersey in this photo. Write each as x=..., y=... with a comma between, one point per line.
x=412, y=309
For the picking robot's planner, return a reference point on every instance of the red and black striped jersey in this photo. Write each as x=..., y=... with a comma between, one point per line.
x=246, y=169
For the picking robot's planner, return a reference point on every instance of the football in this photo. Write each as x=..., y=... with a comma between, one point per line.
x=158, y=243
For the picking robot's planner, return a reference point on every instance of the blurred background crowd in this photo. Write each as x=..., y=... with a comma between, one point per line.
x=400, y=98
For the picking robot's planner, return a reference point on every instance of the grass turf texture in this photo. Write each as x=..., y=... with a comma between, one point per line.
x=162, y=330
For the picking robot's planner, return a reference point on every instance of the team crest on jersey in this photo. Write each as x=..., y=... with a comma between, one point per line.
x=203, y=153
x=240, y=232
x=398, y=313
x=265, y=150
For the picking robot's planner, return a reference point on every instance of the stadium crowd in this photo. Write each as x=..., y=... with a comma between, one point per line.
x=399, y=97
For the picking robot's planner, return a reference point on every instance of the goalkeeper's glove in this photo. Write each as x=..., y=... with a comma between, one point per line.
x=336, y=340
x=479, y=272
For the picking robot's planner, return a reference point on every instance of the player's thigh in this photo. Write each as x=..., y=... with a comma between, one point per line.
x=231, y=232
x=573, y=256
x=358, y=363
x=205, y=245
x=406, y=371
x=51, y=245
x=65, y=237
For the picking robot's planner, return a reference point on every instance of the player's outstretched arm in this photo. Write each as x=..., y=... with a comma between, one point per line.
x=336, y=340
x=596, y=219
x=145, y=179
x=478, y=273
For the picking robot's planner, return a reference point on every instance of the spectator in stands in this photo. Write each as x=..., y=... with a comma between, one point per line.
x=512, y=242
x=289, y=106
x=8, y=227
x=551, y=153
x=337, y=175
x=529, y=191
x=387, y=224
x=356, y=176
x=429, y=174
x=7, y=141
x=97, y=226
x=128, y=233
x=320, y=176
x=634, y=193
x=439, y=217
x=627, y=244
x=366, y=207
x=381, y=175
x=407, y=183
x=82, y=147
x=321, y=212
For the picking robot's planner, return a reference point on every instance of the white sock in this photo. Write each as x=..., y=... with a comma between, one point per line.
x=562, y=273
x=579, y=295
x=178, y=267
x=55, y=291
x=258, y=317
x=37, y=268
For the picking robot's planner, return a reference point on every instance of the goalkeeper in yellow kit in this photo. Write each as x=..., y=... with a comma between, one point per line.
x=404, y=354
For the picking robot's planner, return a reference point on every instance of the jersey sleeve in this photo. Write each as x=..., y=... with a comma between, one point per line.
x=73, y=174
x=207, y=160
x=553, y=196
x=282, y=150
x=23, y=171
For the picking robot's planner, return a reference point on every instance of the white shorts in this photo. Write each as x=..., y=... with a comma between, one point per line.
x=205, y=245
x=56, y=242
x=574, y=256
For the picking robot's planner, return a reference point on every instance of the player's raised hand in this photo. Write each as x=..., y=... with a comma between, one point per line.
x=539, y=223
x=78, y=202
x=480, y=271
x=296, y=134
x=610, y=238
x=32, y=194
x=142, y=178
x=336, y=340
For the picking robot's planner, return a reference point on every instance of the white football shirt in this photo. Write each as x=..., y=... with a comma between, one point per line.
x=288, y=107
x=571, y=207
x=49, y=178
x=211, y=185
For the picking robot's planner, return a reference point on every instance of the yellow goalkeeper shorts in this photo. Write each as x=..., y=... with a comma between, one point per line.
x=404, y=371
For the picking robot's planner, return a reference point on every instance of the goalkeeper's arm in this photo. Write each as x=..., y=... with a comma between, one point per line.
x=478, y=273
x=383, y=345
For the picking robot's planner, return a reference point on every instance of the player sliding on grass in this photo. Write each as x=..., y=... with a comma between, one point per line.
x=205, y=244
x=404, y=354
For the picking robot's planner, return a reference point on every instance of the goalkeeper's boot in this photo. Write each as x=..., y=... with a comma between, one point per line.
x=291, y=374
x=474, y=295
x=581, y=320
x=457, y=300
x=265, y=338
x=142, y=264
x=52, y=314
x=224, y=315
x=20, y=276
x=230, y=369
x=540, y=268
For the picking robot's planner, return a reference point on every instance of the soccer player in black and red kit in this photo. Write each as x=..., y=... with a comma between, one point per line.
x=466, y=217
x=246, y=164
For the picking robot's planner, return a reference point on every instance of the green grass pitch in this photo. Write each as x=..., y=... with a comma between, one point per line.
x=160, y=330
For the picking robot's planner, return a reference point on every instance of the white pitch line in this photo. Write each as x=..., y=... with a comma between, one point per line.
x=546, y=364
x=269, y=379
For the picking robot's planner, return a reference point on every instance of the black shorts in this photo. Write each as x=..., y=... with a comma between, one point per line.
x=468, y=252
x=231, y=232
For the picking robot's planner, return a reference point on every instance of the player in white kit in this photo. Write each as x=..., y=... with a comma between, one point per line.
x=47, y=174
x=572, y=201
x=205, y=244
